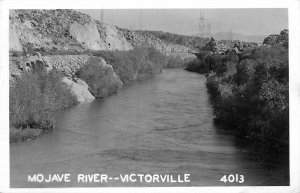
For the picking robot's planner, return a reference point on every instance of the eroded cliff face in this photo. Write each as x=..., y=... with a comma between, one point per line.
x=146, y=39
x=14, y=41
x=87, y=35
x=52, y=30
x=68, y=65
x=56, y=32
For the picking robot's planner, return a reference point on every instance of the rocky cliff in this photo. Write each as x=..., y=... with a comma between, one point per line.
x=68, y=65
x=62, y=30
x=69, y=30
x=58, y=34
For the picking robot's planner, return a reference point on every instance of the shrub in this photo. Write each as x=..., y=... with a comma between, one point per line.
x=251, y=96
x=197, y=66
x=99, y=77
x=174, y=62
x=34, y=98
x=133, y=64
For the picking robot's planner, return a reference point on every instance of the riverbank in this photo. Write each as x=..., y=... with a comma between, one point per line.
x=162, y=125
x=98, y=75
x=249, y=93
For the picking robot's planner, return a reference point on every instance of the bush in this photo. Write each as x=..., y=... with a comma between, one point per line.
x=174, y=62
x=133, y=64
x=99, y=77
x=197, y=66
x=251, y=96
x=34, y=98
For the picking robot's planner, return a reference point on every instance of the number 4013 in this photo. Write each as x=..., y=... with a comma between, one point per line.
x=233, y=178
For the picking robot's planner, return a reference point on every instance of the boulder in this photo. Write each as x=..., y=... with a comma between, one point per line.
x=282, y=38
x=87, y=35
x=14, y=41
x=35, y=61
x=271, y=39
x=79, y=89
x=113, y=38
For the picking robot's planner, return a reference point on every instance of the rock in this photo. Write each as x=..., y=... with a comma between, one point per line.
x=112, y=38
x=67, y=64
x=15, y=73
x=271, y=39
x=14, y=41
x=65, y=29
x=87, y=35
x=282, y=38
x=27, y=24
x=80, y=89
x=35, y=61
x=106, y=82
x=148, y=39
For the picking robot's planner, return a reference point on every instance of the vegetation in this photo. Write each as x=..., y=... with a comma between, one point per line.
x=35, y=97
x=193, y=42
x=249, y=92
x=100, y=80
x=131, y=65
x=175, y=62
x=138, y=63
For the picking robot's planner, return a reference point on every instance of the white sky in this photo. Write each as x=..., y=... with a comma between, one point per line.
x=185, y=21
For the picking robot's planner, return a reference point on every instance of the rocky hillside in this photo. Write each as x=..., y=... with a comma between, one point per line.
x=193, y=42
x=223, y=46
x=62, y=30
x=238, y=36
x=62, y=39
x=282, y=38
x=69, y=30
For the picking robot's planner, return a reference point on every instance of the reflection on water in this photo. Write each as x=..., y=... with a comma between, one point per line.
x=159, y=126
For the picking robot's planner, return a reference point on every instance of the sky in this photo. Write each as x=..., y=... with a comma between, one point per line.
x=186, y=21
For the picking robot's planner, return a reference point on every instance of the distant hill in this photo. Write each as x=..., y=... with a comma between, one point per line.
x=237, y=36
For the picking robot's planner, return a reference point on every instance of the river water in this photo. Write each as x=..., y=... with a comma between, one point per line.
x=163, y=125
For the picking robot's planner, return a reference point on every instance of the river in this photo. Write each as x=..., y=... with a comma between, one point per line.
x=163, y=125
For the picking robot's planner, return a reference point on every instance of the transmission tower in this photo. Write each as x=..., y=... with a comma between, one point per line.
x=140, y=19
x=102, y=15
x=230, y=35
x=201, y=26
x=208, y=31
x=204, y=28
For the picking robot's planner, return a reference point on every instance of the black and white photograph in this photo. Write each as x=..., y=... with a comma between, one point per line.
x=149, y=97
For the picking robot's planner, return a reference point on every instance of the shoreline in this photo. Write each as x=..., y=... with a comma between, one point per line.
x=27, y=134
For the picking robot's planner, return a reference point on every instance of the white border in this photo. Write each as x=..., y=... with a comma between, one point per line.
x=294, y=31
